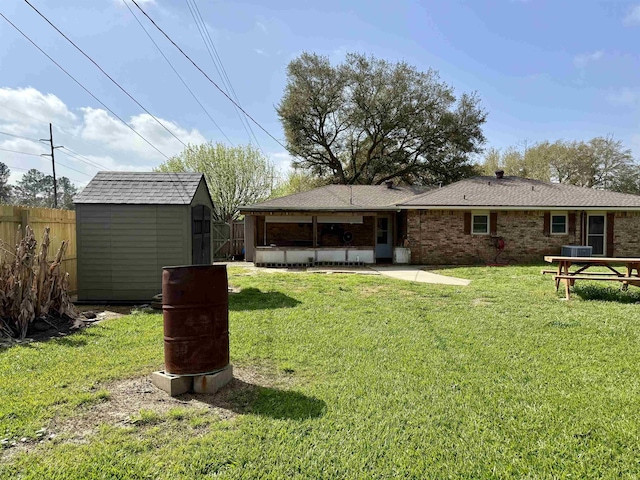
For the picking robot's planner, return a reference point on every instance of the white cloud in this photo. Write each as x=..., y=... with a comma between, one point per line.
x=633, y=17
x=627, y=97
x=281, y=160
x=261, y=52
x=101, y=127
x=18, y=104
x=93, y=133
x=584, y=59
x=262, y=27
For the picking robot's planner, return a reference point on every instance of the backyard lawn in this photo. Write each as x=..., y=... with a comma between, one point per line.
x=347, y=376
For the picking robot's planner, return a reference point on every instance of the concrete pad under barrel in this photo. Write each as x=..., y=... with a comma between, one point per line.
x=172, y=384
x=212, y=382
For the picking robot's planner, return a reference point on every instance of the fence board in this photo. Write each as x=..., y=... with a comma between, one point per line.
x=62, y=225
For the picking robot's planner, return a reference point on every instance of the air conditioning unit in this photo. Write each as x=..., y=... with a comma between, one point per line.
x=576, y=251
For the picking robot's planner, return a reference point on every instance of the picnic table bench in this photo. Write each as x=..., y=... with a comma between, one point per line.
x=564, y=272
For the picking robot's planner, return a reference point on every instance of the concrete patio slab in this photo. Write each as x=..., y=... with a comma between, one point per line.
x=416, y=274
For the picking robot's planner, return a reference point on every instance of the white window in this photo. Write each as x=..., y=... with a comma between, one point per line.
x=480, y=224
x=559, y=224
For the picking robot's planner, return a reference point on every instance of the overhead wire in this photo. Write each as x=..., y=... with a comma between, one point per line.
x=20, y=136
x=176, y=72
x=206, y=39
x=209, y=78
x=224, y=70
x=83, y=160
x=60, y=129
x=84, y=88
x=104, y=72
x=40, y=155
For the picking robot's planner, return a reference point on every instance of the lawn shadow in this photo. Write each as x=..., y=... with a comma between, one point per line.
x=607, y=294
x=254, y=299
x=246, y=398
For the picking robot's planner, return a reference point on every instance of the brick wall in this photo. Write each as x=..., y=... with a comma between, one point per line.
x=289, y=234
x=626, y=234
x=437, y=237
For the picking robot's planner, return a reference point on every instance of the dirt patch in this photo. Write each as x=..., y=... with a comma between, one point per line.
x=480, y=302
x=127, y=398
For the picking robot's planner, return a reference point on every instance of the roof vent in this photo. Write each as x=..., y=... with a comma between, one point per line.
x=389, y=183
x=499, y=174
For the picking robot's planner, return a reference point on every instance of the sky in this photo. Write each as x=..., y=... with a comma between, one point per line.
x=544, y=70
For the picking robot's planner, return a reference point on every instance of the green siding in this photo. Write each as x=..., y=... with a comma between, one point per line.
x=122, y=249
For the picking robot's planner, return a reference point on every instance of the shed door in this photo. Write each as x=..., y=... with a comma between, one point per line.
x=201, y=235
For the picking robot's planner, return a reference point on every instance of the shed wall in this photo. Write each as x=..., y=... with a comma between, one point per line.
x=122, y=249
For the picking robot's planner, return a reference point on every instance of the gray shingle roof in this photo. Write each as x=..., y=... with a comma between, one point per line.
x=520, y=192
x=138, y=188
x=340, y=197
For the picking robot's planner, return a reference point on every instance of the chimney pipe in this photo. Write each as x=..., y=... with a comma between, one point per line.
x=389, y=183
x=499, y=174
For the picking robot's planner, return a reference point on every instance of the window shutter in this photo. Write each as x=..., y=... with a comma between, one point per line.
x=610, y=221
x=467, y=223
x=493, y=223
x=546, y=229
x=572, y=223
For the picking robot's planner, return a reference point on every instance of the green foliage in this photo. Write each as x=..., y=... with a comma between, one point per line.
x=373, y=378
x=367, y=120
x=5, y=188
x=602, y=163
x=236, y=176
x=35, y=189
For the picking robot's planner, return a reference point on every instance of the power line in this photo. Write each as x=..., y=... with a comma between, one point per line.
x=209, y=78
x=82, y=158
x=204, y=34
x=83, y=87
x=176, y=72
x=27, y=170
x=105, y=73
x=22, y=153
x=224, y=72
x=19, y=136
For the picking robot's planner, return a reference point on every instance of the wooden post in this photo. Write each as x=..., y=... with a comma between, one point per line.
x=314, y=221
x=24, y=221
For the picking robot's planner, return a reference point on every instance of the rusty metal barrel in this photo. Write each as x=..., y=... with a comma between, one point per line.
x=195, y=306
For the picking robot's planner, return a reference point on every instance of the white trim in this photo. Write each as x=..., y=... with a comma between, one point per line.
x=523, y=208
x=288, y=219
x=566, y=223
x=473, y=216
x=357, y=219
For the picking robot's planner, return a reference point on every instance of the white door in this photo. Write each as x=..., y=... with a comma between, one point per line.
x=384, y=247
x=596, y=233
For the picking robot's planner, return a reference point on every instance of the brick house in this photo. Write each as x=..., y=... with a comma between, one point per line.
x=461, y=223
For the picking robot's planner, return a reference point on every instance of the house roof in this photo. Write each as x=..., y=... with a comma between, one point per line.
x=138, y=188
x=519, y=193
x=340, y=197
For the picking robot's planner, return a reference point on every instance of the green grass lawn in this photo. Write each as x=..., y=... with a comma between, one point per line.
x=370, y=378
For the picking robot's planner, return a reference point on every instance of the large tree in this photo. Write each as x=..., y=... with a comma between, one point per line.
x=367, y=120
x=5, y=188
x=35, y=189
x=236, y=176
x=601, y=162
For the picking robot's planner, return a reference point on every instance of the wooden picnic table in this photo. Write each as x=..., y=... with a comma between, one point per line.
x=564, y=272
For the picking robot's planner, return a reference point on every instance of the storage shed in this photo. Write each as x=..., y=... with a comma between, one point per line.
x=129, y=225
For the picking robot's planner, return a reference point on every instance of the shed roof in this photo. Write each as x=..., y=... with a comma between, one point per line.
x=521, y=193
x=141, y=188
x=340, y=197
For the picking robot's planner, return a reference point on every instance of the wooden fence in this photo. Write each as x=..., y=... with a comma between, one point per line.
x=62, y=224
x=228, y=239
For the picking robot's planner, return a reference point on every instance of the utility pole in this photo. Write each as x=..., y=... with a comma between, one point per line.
x=53, y=164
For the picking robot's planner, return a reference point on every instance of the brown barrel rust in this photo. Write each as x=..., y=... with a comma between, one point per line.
x=196, y=318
